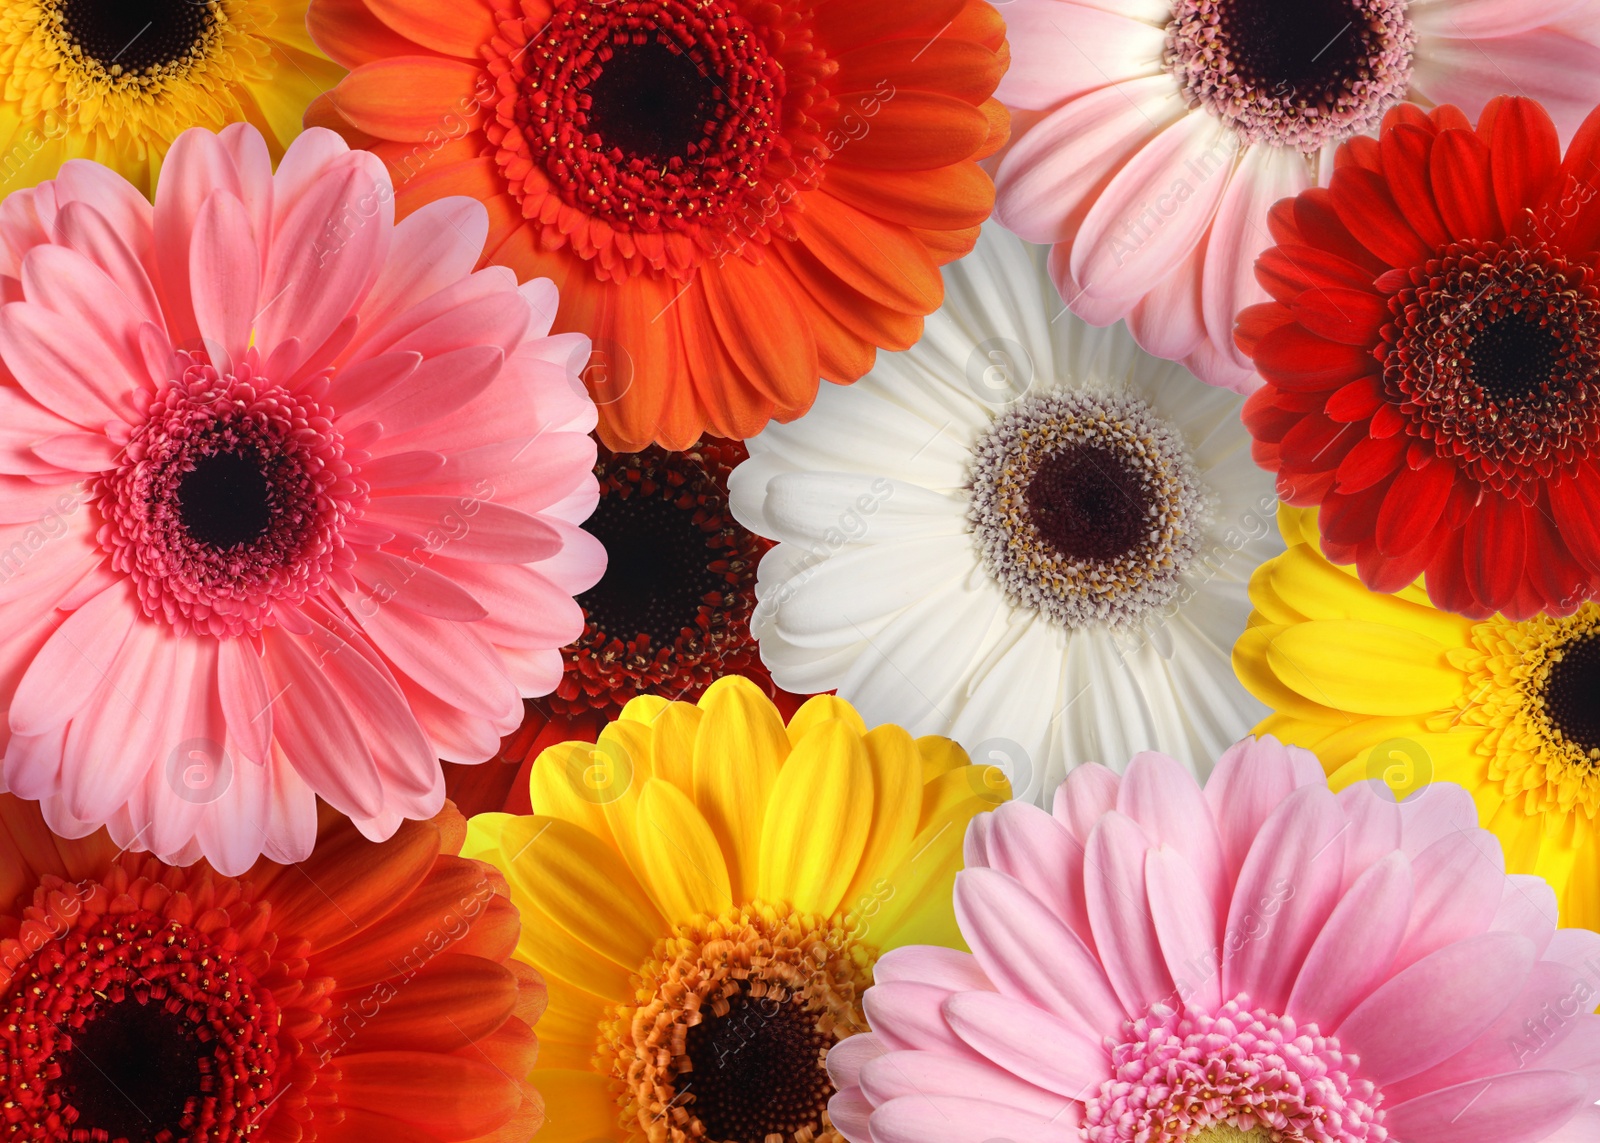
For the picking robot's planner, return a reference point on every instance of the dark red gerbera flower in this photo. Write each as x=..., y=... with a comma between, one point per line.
x=670, y=616
x=1432, y=358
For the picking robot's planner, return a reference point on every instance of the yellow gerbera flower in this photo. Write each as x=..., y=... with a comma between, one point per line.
x=1388, y=686
x=118, y=80
x=706, y=891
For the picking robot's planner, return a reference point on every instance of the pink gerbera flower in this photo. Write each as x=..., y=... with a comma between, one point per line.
x=1149, y=137
x=289, y=498
x=1259, y=962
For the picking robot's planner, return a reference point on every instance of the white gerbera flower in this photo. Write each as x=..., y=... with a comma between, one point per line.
x=1025, y=533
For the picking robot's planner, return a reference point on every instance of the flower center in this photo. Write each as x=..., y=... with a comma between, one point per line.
x=731, y=1043
x=1572, y=694
x=699, y=117
x=672, y=612
x=1240, y=1075
x=1493, y=356
x=231, y=496
x=137, y=1029
x=225, y=500
x=1292, y=75
x=137, y=35
x=758, y=1068
x=1085, y=506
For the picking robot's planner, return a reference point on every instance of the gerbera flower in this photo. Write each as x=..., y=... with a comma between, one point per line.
x=706, y=891
x=1431, y=355
x=1024, y=533
x=1154, y=135
x=1258, y=961
x=117, y=81
x=365, y=994
x=1387, y=686
x=736, y=197
x=290, y=498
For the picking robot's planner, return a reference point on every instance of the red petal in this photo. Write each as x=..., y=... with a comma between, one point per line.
x=1368, y=210
x=1347, y=521
x=1370, y=461
x=1447, y=580
x=1286, y=272
x=1575, y=500
x=1447, y=117
x=1317, y=220
x=1561, y=583
x=1413, y=505
x=1494, y=546
x=1356, y=401
x=1405, y=164
x=1349, y=317
x=1297, y=359
x=1387, y=421
x=1362, y=152
x=1256, y=321
x=1395, y=573
x=1525, y=153
x=1316, y=444
x=1406, y=115
x=1463, y=186
x=1280, y=222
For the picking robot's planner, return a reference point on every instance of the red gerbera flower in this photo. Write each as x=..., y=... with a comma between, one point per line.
x=1432, y=358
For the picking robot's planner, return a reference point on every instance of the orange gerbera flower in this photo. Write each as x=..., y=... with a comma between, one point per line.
x=363, y=994
x=735, y=196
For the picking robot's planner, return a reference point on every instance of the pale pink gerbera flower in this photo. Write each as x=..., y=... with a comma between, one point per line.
x=1258, y=962
x=289, y=498
x=1150, y=137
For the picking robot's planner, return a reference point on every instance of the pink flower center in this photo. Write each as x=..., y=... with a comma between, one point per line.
x=230, y=499
x=1297, y=74
x=1238, y=1074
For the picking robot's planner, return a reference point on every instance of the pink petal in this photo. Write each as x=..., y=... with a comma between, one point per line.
x=1353, y=952
x=483, y=309
x=1119, y=914
x=1374, y=827
x=1546, y=65
x=1156, y=209
x=404, y=469
x=195, y=166
x=1438, y=810
x=264, y=811
x=1286, y=890
x=1053, y=172
x=1168, y=320
x=929, y=964
x=849, y=1112
x=79, y=452
x=73, y=375
x=23, y=423
x=1089, y=792
x=467, y=529
x=1031, y=955
x=905, y=1014
x=1161, y=794
x=89, y=233
x=456, y=735
x=1186, y=929
x=524, y=608
x=362, y=381
x=1250, y=780
x=82, y=182
x=53, y=689
x=434, y=247
x=246, y=701
x=849, y=1056
x=407, y=583
x=1517, y=1108
x=1422, y=1016
x=913, y=1073
x=1037, y=850
x=1061, y=50
x=224, y=277
x=956, y=1119
x=1028, y=1042
x=1489, y=19
x=447, y=658
x=436, y=388
x=1583, y=1127
x=253, y=164
x=1527, y=906
x=314, y=729
x=1459, y=883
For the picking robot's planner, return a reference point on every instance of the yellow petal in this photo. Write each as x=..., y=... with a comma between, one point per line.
x=912, y=904
x=821, y=708
x=1256, y=671
x=627, y=744
x=578, y=1106
x=896, y=804
x=1308, y=584
x=939, y=756
x=570, y=1025
x=817, y=820
x=683, y=865
x=1364, y=667
x=572, y=780
x=644, y=708
x=582, y=885
x=943, y=797
x=1269, y=606
x=737, y=754
x=672, y=738
x=483, y=836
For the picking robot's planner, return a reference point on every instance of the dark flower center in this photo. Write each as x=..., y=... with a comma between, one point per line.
x=757, y=1070
x=136, y=35
x=650, y=100
x=135, y=1073
x=225, y=501
x=656, y=569
x=1513, y=356
x=1296, y=74
x=1088, y=503
x=1494, y=357
x=1572, y=693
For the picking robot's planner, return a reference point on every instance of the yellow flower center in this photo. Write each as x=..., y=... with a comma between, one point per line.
x=734, y=1019
x=1227, y=1133
x=140, y=68
x=1533, y=687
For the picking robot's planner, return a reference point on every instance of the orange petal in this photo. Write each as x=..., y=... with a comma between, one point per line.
x=948, y=245
x=455, y=1098
x=956, y=196
x=459, y=28
x=451, y=1002
x=843, y=24
x=999, y=127
x=883, y=261
x=364, y=1126
x=950, y=66
x=349, y=34
x=916, y=130
x=981, y=23
x=719, y=385
x=408, y=98
x=864, y=318
x=756, y=316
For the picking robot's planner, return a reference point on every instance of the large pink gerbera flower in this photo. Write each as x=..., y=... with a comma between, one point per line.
x=1151, y=136
x=289, y=498
x=1258, y=962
